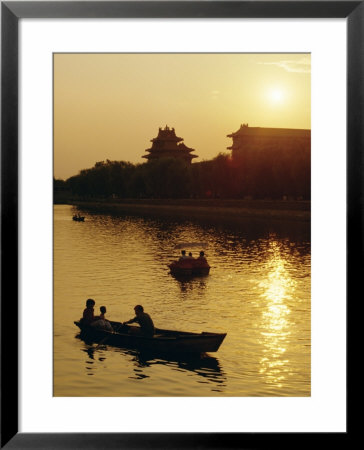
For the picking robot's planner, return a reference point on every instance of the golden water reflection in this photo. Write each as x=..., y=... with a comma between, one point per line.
x=277, y=288
x=258, y=292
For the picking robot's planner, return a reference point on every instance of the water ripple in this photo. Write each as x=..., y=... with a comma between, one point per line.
x=258, y=291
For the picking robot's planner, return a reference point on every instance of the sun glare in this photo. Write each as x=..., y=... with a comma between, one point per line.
x=276, y=95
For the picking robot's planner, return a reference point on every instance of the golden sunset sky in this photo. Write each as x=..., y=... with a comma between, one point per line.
x=109, y=106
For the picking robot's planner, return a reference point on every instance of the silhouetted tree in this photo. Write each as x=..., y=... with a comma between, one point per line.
x=167, y=178
x=270, y=173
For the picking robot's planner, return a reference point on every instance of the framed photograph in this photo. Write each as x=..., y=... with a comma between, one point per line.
x=181, y=221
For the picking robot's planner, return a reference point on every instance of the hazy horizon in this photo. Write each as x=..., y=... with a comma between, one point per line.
x=110, y=106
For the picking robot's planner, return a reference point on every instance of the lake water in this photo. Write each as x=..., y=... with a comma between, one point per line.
x=258, y=291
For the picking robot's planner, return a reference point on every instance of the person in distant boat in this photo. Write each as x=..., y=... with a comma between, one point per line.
x=184, y=256
x=101, y=321
x=202, y=258
x=190, y=256
x=144, y=320
x=88, y=313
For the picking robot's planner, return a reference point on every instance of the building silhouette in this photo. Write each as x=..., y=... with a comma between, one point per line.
x=251, y=142
x=167, y=144
x=272, y=162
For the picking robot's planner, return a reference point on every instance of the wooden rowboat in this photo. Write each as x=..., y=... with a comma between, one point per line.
x=164, y=341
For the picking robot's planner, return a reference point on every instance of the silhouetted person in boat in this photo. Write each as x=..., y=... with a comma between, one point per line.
x=202, y=258
x=102, y=312
x=184, y=256
x=101, y=321
x=190, y=256
x=144, y=320
x=88, y=313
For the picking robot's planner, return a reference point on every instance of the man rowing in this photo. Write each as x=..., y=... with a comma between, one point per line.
x=144, y=320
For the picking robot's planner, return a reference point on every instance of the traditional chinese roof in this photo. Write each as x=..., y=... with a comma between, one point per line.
x=253, y=138
x=245, y=130
x=167, y=144
x=167, y=134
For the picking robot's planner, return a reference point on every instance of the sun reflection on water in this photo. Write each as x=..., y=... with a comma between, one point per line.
x=249, y=293
x=277, y=288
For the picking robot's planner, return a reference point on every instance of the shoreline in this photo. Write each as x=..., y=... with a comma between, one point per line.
x=298, y=210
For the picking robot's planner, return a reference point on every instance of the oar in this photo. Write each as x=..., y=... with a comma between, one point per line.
x=107, y=337
x=101, y=342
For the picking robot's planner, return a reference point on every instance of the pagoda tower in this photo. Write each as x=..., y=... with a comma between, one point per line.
x=168, y=145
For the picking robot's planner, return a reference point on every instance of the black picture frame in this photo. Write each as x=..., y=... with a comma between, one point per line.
x=11, y=12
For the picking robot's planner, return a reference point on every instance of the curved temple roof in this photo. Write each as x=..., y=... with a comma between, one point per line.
x=167, y=144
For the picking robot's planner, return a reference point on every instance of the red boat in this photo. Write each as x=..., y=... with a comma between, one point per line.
x=189, y=267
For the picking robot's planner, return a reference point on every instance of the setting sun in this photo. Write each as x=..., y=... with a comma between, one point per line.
x=107, y=106
x=196, y=168
x=276, y=96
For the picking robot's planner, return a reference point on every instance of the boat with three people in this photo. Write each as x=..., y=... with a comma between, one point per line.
x=164, y=341
x=188, y=266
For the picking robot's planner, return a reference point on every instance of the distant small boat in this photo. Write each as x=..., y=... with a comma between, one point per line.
x=189, y=267
x=78, y=218
x=163, y=341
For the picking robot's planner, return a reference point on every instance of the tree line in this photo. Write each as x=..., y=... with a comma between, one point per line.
x=259, y=177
